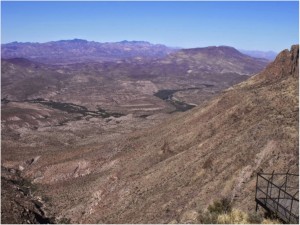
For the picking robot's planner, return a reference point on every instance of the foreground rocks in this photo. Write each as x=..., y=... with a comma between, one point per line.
x=18, y=205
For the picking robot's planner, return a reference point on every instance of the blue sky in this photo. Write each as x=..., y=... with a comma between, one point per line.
x=244, y=25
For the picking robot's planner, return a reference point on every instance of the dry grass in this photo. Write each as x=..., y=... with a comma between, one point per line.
x=237, y=216
x=221, y=212
x=234, y=217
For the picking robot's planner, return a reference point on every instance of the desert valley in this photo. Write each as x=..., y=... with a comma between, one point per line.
x=134, y=132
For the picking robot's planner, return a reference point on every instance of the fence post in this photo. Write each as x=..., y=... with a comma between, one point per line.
x=291, y=209
x=286, y=178
x=256, y=191
x=267, y=194
x=271, y=185
x=278, y=201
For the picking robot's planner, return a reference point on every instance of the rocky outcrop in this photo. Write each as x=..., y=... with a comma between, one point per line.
x=285, y=64
x=18, y=205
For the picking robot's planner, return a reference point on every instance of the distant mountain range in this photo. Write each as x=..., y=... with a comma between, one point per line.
x=78, y=50
x=270, y=55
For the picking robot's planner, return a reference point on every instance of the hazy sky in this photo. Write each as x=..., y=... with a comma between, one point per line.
x=244, y=25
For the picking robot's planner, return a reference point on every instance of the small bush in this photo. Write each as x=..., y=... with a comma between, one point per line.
x=234, y=217
x=213, y=211
x=270, y=218
x=220, y=207
x=207, y=218
x=221, y=212
x=270, y=221
x=64, y=221
x=207, y=164
x=255, y=218
x=46, y=198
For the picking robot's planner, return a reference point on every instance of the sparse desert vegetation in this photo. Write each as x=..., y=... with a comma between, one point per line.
x=222, y=212
x=105, y=131
x=90, y=164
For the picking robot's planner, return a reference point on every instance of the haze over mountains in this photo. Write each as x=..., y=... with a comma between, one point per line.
x=131, y=132
x=79, y=50
x=270, y=55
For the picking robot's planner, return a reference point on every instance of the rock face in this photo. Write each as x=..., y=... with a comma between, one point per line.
x=285, y=64
x=18, y=205
x=171, y=171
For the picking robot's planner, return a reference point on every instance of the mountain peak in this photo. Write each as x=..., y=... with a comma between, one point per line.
x=75, y=40
x=219, y=59
x=134, y=42
x=212, y=50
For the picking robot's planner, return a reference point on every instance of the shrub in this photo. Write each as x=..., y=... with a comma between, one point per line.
x=207, y=218
x=270, y=221
x=213, y=211
x=255, y=218
x=220, y=207
x=234, y=217
x=64, y=221
x=221, y=212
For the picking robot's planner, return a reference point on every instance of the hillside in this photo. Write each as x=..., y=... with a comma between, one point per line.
x=216, y=59
x=170, y=172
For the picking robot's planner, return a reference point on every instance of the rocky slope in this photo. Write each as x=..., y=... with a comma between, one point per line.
x=18, y=204
x=172, y=171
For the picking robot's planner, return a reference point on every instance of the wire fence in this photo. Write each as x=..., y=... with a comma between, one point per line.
x=279, y=194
